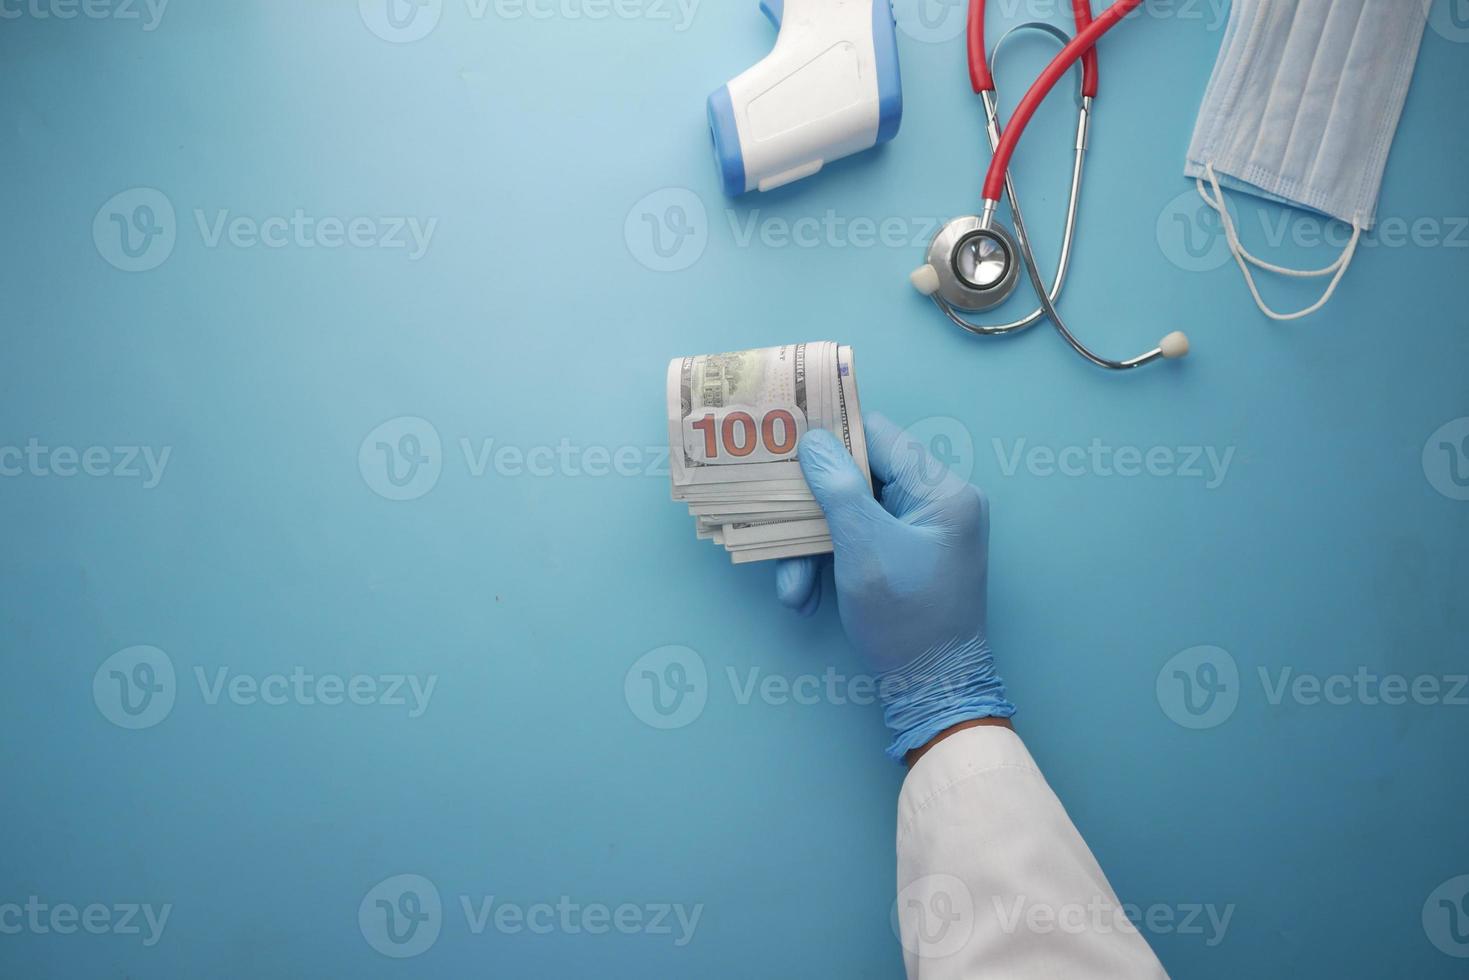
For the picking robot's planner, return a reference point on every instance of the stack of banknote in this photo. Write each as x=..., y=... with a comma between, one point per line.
x=734, y=426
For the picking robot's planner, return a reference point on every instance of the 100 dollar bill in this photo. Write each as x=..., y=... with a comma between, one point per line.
x=735, y=424
x=739, y=417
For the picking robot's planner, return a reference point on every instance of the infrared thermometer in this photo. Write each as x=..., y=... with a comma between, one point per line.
x=829, y=88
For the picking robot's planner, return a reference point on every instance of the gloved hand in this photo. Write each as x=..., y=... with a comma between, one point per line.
x=911, y=574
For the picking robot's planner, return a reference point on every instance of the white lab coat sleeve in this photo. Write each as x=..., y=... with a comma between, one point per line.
x=993, y=879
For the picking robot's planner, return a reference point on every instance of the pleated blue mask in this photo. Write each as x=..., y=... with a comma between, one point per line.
x=1302, y=108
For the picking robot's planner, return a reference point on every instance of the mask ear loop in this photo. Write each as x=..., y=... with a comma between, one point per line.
x=1245, y=259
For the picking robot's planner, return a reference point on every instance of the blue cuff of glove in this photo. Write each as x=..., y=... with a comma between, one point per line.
x=939, y=690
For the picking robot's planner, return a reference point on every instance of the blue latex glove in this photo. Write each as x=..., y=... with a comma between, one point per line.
x=911, y=574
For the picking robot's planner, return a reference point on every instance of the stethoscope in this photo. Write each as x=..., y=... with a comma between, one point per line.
x=974, y=262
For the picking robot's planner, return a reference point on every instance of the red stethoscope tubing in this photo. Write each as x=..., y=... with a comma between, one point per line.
x=979, y=66
x=1078, y=47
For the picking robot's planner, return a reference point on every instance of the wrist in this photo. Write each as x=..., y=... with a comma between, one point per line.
x=916, y=754
x=945, y=687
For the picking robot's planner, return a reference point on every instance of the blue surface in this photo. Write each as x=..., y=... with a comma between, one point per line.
x=549, y=151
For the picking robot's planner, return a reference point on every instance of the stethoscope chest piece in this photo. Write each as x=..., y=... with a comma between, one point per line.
x=973, y=266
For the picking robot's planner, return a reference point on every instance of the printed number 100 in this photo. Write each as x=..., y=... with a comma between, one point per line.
x=738, y=434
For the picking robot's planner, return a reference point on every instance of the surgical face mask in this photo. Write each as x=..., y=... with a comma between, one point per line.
x=1301, y=109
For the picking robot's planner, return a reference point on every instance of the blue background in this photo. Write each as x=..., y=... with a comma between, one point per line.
x=534, y=317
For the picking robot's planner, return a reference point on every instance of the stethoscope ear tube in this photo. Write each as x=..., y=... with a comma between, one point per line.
x=1171, y=347
x=1081, y=11
x=1084, y=41
x=983, y=79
